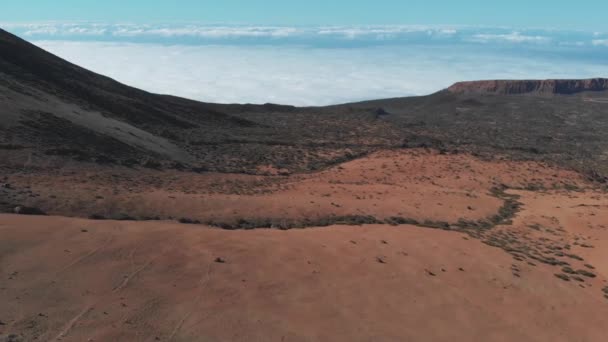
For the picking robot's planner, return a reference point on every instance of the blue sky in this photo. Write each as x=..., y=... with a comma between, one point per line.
x=590, y=14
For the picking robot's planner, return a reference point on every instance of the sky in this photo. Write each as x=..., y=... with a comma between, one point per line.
x=589, y=14
x=316, y=52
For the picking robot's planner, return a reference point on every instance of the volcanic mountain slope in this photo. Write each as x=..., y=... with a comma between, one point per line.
x=566, y=129
x=53, y=112
x=53, y=108
x=50, y=103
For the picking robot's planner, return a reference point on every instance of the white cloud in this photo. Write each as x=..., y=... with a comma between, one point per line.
x=600, y=42
x=448, y=31
x=381, y=32
x=147, y=30
x=335, y=36
x=92, y=31
x=206, y=31
x=222, y=31
x=56, y=29
x=513, y=37
x=576, y=44
x=302, y=75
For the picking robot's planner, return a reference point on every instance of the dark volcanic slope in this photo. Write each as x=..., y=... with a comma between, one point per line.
x=66, y=109
x=50, y=107
x=570, y=130
x=52, y=112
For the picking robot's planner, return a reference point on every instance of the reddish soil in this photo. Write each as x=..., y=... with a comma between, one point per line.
x=73, y=279
x=415, y=184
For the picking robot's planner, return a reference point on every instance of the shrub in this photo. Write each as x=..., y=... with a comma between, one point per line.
x=568, y=270
x=186, y=220
x=396, y=220
x=586, y=273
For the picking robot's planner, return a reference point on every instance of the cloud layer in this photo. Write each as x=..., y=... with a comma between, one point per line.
x=316, y=65
x=308, y=75
x=308, y=35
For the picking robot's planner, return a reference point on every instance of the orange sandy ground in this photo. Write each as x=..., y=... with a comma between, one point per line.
x=413, y=184
x=74, y=279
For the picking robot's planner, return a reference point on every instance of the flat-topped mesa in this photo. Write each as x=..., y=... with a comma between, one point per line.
x=545, y=87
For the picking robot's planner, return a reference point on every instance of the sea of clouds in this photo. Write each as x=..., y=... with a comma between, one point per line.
x=315, y=65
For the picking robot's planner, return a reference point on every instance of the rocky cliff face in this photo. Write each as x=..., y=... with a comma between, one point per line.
x=530, y=86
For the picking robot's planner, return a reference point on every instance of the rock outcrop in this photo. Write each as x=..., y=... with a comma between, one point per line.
x=548, y=87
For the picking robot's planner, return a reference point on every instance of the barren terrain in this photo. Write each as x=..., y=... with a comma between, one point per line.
x=537, y=275
x=415, y=184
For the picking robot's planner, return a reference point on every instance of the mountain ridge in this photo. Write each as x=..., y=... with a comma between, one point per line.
x=548, y=86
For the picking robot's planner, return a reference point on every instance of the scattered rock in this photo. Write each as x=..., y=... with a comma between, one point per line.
x=381, y=260
x=381, y=112
x=23, y=210
x=220, y=260
x=430, y=273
